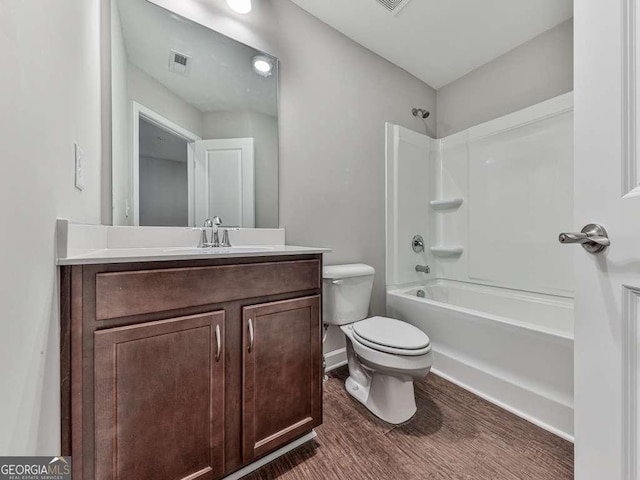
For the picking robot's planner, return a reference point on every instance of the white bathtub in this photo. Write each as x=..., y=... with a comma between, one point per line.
x=515, y=349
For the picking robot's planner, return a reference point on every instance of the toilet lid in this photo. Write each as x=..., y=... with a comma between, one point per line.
x=392, y=336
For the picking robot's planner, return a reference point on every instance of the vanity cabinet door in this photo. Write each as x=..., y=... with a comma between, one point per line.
x=282, y=381
x=159, y=400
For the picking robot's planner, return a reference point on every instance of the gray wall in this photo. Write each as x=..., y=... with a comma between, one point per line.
x=538, y=70
x=335, y=97
x=164, y=192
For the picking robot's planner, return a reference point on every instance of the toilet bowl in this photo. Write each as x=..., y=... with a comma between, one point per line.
x=384, y=355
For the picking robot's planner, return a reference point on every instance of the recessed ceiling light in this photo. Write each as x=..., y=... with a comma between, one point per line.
x=263, y=65
x=240, y=6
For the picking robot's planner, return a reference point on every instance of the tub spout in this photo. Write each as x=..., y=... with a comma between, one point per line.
x=423, y=268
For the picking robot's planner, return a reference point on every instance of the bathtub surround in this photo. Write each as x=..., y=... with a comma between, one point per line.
x=537, y=70
x=516, y=176
x=489, y=202
x=507, y=182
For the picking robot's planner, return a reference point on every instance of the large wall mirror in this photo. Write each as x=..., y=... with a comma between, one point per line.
x=195, y=123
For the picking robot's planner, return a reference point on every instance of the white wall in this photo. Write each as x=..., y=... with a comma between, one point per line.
x=264, y=130
x=536, y=71
x=49, y=98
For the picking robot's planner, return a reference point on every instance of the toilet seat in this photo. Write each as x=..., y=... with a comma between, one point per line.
x=415, y=366
x=391, y=336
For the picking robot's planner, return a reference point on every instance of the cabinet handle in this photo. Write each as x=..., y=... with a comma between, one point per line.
x=218, y=343
x=250, y=335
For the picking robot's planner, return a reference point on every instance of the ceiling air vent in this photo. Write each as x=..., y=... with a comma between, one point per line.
x=394, y=6
x=179, y=63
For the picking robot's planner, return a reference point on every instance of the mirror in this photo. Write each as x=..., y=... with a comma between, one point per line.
x=194, y=123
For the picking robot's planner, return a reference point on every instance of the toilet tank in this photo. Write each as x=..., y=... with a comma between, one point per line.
x=346, y=293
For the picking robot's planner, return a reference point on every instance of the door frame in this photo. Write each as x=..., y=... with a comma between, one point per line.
x=140, y=111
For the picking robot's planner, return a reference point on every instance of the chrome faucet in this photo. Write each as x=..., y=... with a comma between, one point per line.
x=213, y=225
x=423, y=269
x=215, y=239
x=204, y=241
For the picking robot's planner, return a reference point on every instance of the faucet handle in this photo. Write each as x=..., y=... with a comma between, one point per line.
x=204, y=242
x=225, y=236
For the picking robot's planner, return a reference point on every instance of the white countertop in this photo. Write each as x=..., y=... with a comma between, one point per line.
x=79, y=244
x=164, y=254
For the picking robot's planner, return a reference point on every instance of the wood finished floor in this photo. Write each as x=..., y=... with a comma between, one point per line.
x=454, y=435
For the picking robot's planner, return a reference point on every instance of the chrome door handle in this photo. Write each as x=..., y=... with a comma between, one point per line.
x=593, y=238
x=218, y=343
x=250, y=348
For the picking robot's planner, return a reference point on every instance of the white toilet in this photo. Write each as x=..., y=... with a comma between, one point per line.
x=384, y=354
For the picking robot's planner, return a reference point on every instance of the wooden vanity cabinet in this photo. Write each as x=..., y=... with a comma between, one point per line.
x=190, y=369
x=159, y=399
x=281, y=391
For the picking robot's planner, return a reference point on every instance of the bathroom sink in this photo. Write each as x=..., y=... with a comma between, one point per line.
x=217, y=251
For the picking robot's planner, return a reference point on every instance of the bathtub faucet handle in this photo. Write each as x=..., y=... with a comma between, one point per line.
x=423, y=269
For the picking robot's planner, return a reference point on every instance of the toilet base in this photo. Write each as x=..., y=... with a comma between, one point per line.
x=390, y=398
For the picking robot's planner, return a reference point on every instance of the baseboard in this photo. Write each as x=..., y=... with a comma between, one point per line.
x=529, y=405
x=335, y=359
x=271, y=457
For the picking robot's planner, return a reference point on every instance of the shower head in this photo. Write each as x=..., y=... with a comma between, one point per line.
x=419, y=112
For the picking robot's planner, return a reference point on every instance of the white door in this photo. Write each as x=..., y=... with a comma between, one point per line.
x=224, y=181
x=607, y=192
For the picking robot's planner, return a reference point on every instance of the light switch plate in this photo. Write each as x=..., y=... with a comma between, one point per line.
x=79, y=154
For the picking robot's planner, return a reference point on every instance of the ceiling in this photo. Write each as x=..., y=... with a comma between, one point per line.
x=221, y=75
x=439, y=41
